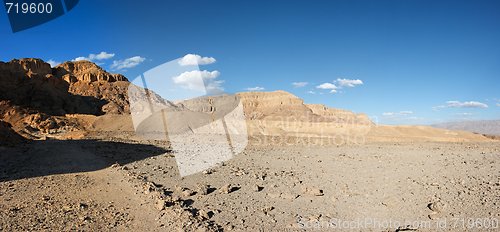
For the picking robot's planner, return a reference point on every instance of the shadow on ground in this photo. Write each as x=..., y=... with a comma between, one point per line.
x=42, y=158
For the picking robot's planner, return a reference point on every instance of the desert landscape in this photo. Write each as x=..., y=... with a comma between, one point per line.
x=71, y=160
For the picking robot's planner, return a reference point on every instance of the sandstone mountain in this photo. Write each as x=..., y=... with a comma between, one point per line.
x=36, y=99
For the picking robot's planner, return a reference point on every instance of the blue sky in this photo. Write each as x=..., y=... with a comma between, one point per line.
x=420, y=62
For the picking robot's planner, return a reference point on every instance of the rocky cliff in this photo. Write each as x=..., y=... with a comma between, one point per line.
x=35, y=98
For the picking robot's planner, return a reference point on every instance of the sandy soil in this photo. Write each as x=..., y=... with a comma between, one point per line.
x=115, y=183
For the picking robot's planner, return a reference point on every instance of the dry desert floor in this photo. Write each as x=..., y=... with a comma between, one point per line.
x=110, y=183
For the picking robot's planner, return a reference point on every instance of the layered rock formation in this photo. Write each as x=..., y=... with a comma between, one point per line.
x=36, y=98
x=85, y=71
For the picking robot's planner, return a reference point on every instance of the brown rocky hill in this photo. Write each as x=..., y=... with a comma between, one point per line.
x=79, y=87
x=36, y=99
x=87, y=79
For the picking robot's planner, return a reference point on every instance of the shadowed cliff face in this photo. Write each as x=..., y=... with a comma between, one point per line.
x=71, y=88
x=36, y=98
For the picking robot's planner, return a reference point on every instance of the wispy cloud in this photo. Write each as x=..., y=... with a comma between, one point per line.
x=299, y=84
x=348, y=82
x=328, y=86
x=194, y=59
x=458, y=104
x=464, y=114
x=311, y=92
x=397, y=114
x=53, y=63
x=498, y=104
x=93, y=57
x=256, y=88
x=200, y=81
x=127, y=63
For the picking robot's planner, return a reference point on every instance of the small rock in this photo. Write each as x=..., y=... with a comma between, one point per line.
x=203, y=189
x=267, y=209
x=187, y=192
x=85, y=219
x=314, y=191
x=160, y=205
x=436, y=206
x=204, y=214
x=226, y=189
x=256, y=188
x=83, y=206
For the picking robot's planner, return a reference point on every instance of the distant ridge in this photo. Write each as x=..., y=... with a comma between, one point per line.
x=488, y=127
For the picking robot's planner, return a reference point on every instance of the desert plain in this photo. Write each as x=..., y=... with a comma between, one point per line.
x=71, y=160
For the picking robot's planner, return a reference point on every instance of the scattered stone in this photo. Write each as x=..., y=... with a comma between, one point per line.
x=85, y=218
x=267, y=209
x=436, y=206
x=187, y=192
x=203, y=189
x=313, y=191
x=226, y=189
x=205, y=214
x=83, y=206
x=257, y=188
x=160, y=205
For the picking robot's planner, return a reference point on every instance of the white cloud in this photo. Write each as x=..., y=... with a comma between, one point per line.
x=498, y=104
x=194, y=59
x=458, y=104
x=256, y=88
x=397, y=114
x=311, y=92
x=348, y=82
x=80, y=58
x=200, y=81
x=99, y=56
x=53, y=63
x=127, y=63
x=329, y=86
x=299, y=84
x=464, y=114
x=102, y=56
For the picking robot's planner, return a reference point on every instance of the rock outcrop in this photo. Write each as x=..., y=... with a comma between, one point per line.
x=85, y=71
x=35, y=98
x=87, y=79
x=283, y=115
